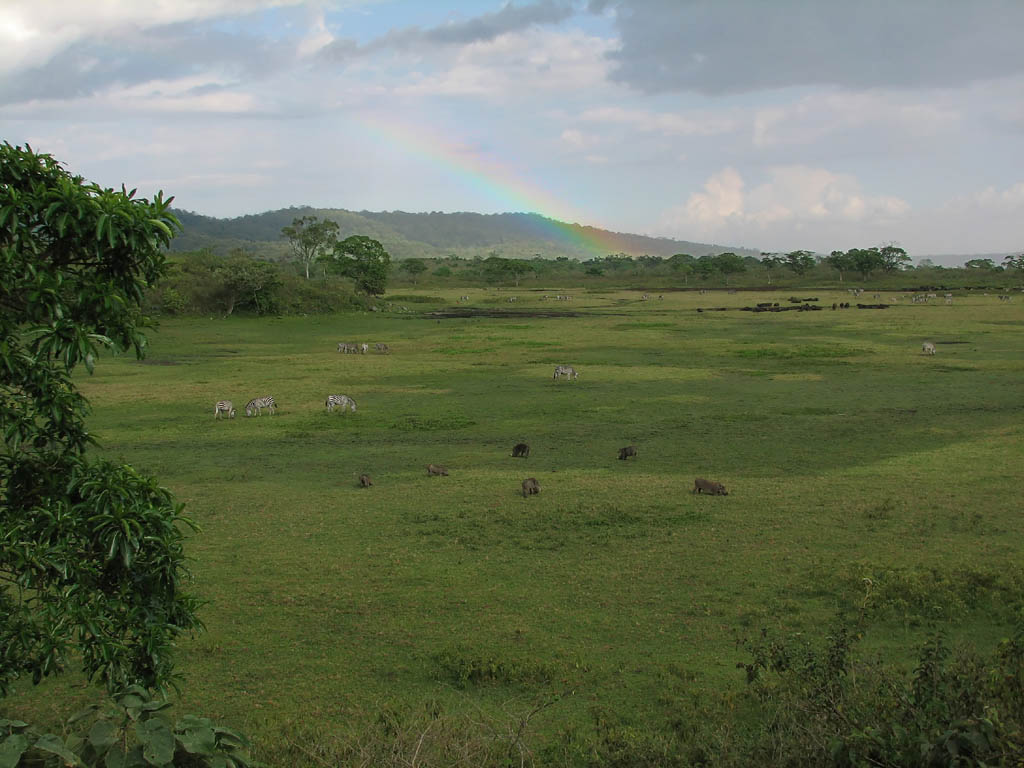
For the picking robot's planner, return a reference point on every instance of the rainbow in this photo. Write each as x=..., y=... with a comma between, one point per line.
x=494, y=181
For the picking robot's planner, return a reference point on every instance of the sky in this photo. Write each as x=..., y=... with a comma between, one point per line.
x=782, y=125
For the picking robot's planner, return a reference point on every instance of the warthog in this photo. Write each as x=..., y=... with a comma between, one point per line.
x=700, y=485
x=530, y=485
x=927, y=348
x=625, y=453
x=364, y=481
x=434, y=469
x=521, y=450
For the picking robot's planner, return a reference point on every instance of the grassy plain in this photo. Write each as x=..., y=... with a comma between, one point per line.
x=848, y=455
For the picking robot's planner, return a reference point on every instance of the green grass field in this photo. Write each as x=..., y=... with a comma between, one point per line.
x=846, y=452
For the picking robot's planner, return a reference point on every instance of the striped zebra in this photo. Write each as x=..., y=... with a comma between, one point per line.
x=382, y=348
x=256, y=406
x=340, y=401
x=224, y=406
x=566, y=370
x=927, y=348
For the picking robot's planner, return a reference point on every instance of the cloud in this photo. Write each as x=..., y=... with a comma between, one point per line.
x=792, y=201
x=667, y=123
x=822, y=115
x=483, y=28
x=517, y=65
x=747, y=45
x=32, y=32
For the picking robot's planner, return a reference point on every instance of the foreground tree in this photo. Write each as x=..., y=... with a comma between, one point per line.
x=311, y=239
x=365, y=261
x=91, y=557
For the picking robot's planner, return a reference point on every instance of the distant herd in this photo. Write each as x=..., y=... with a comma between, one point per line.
x=530, y=486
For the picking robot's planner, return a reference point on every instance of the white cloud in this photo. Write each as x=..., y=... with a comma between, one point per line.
x=31, y=31
x=667, y=123
x=793, y=200
x=518, y=66
x=821, y=115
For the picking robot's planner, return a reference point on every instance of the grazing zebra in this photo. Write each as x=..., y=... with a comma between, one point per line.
x=364, y=348
x=927, y=348
x=382, y=348
x=225, y=407
x=256, y=406
x=645, y=297
x=346, y=348
x=340, y=401
x=565, y=370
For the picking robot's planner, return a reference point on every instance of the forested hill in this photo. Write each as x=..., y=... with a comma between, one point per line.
x=405, y=235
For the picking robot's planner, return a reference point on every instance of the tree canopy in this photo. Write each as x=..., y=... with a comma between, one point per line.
x=311, y=238
x=365, y=261
x=91, y=555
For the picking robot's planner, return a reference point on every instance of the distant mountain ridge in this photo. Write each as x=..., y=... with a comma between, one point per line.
x=425, y=235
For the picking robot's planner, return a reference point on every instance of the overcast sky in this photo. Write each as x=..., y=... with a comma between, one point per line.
x=818, y=124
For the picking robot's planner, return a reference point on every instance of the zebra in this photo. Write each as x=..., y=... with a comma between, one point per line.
x=382, y=348
x=257, y=404
x=565, y=370
x=364, y=348
x=340, y=401
x=927, y=348
x=224, y=406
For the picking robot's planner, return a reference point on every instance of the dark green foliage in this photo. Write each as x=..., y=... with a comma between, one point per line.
x=824, y=706
x=131, y=731
x=364, y=260
x=90, y=552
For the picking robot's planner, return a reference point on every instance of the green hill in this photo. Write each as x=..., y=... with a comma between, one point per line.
x=407, y=235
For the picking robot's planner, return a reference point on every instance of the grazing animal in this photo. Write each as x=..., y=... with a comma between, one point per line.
x=225, y=407
x=521, y=450
x=434, y=469
x=382, y=348
x=625, y=453
x=927, y=348
x=364, y=348
x=365, y=481
x=530, y=486
x=257, y=404
x=565, y=370
x=347, y=348
x=340, y=401
x=700, y=485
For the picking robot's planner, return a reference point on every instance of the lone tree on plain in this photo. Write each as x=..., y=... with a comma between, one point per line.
x=91, y=560
x=311, y=239
x=414, y=268
x=364, y=260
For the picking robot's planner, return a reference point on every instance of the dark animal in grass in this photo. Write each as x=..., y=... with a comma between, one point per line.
x=700, y=485
x=434, y=469
x=521, y=450
x=530, y=485
x=625, y=453
x=364, y=481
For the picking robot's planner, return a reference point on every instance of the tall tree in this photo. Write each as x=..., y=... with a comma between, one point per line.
x=982, y=264
x=311, y=239
x=771, y=261
x=91, y=560
x=865, y=260
x=365, y=261
x=800, y=261
x=840, y=262
x=730, y=264
x=893, y=258
x=1014, y=261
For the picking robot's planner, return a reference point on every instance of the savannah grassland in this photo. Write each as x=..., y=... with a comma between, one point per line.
x=337, y=615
